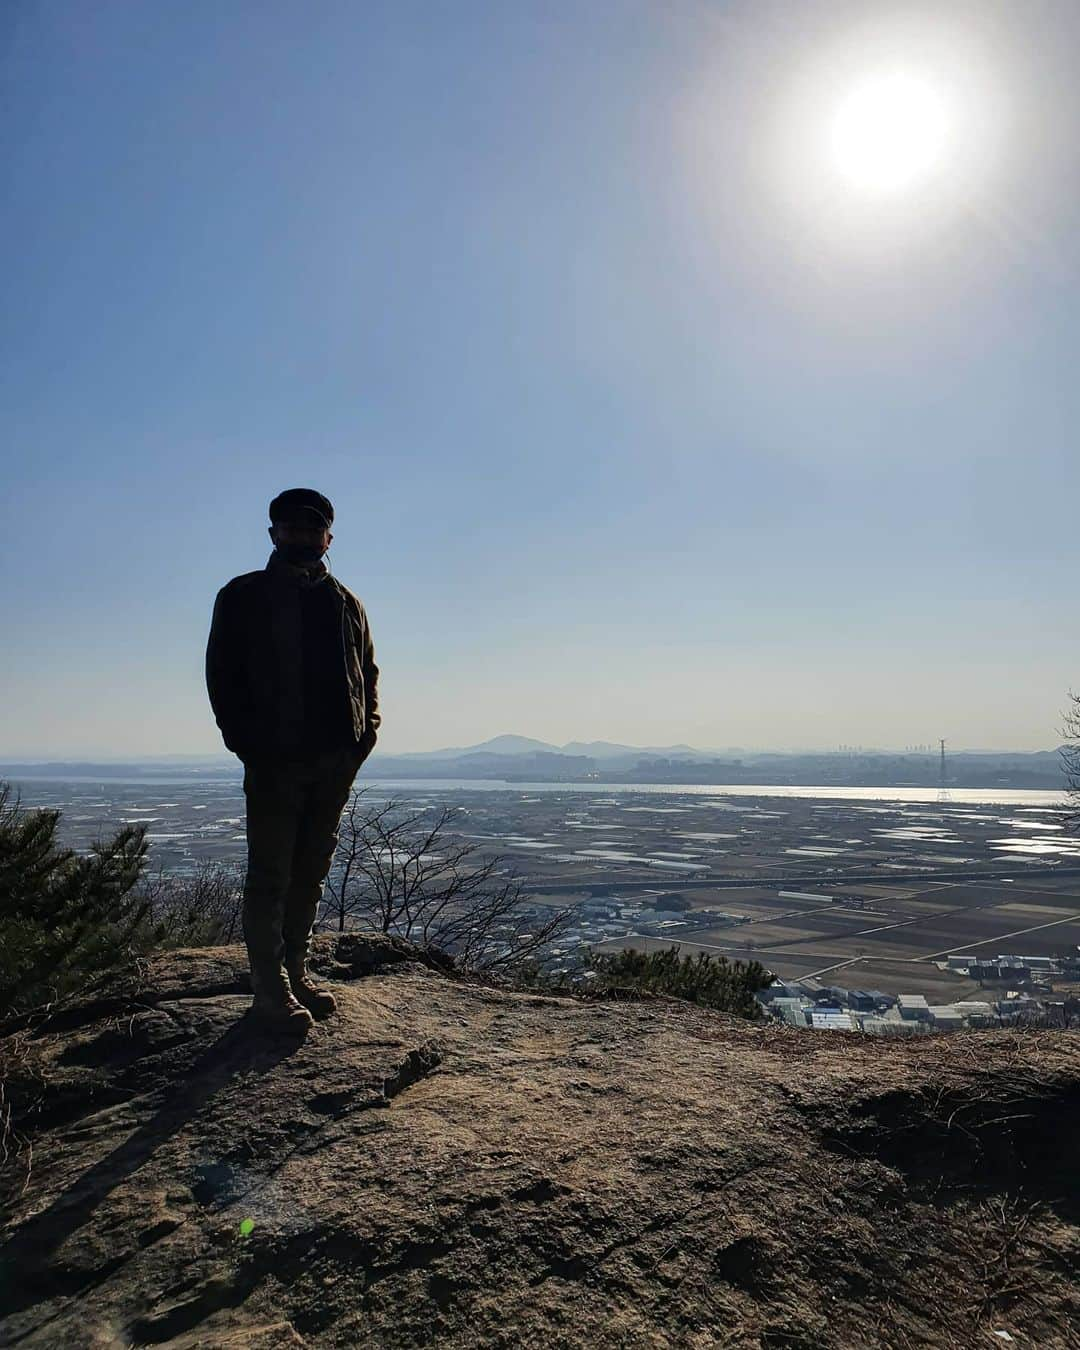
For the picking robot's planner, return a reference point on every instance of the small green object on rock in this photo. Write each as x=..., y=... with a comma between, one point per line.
x=247, y=1227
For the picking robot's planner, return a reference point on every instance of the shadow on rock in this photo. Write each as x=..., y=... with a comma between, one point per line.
x=24, y=1261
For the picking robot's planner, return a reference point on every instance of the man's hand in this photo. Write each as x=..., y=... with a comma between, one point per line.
x=365, y=745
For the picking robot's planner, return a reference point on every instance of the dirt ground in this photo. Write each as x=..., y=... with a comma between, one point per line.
x=442, y=1162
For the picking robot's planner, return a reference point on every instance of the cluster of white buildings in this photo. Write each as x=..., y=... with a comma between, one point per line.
x=905, y=1015
x=808, y=1004
x=1010, y=969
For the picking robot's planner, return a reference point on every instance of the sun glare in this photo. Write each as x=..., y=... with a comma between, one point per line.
x=889, y=133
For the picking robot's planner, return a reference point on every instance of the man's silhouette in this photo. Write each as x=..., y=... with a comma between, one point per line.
x=292, y=679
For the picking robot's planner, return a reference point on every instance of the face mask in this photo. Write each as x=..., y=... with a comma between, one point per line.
x=300, y=553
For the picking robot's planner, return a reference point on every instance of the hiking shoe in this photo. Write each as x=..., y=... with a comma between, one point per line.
x=274, y=1008
x=320, y=1001
x=287, y=1016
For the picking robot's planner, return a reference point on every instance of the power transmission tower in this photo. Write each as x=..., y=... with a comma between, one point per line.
x=943, y=794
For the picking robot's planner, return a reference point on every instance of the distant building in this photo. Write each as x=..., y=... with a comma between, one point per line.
x=791, y=1011
x=888, y=1026
x=913, y=1008
x=1048, y=963
x=831, y=1020
x=1018, y=974
x=999, y=969
x=976, y=1012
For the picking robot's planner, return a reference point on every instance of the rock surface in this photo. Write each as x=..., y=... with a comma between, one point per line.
x=446, y=1163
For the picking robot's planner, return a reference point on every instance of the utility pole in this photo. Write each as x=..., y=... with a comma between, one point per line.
x=943, y=795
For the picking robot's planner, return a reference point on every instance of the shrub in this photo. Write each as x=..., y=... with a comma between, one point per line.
x=63, y=917
x=203, y=910
x=711, y=981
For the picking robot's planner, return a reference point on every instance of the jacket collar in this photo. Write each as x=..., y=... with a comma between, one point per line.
x=300, y=574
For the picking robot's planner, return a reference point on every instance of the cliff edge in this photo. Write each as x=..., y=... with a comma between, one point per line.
x=448, y=1163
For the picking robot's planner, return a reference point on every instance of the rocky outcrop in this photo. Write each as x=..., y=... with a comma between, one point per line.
x=447, y=1163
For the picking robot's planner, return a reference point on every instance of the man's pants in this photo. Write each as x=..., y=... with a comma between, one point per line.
x=294, y=809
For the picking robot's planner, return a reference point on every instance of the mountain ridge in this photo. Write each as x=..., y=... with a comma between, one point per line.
x=509, y=744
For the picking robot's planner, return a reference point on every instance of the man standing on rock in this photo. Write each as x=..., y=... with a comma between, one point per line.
x=292, y=679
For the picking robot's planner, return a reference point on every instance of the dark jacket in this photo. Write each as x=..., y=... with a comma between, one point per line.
x=254, y=661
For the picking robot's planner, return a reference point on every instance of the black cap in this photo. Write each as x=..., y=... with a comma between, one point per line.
x=296, y=504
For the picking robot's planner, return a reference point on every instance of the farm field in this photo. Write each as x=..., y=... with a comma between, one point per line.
x=882, y=887
x=892, y=947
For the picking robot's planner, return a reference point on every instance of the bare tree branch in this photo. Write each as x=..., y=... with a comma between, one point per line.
x=403, y=870
x=203, y=910
x=1070, y=757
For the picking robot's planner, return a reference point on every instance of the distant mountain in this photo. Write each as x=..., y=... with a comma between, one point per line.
x=598, y=750
x=523, y=759
x=604, y=750
x=520, y=759
x=498, y=745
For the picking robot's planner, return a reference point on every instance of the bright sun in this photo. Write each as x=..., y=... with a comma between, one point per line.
x=889, y=133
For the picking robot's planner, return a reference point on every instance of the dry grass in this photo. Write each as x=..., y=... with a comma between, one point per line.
x=22, y=1088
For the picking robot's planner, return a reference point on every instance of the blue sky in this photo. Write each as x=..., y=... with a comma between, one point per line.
x=636, y=426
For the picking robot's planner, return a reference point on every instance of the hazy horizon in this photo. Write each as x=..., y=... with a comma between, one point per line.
x=112, y=756
x=653, y=394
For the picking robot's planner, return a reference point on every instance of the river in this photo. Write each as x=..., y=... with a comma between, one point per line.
x=1031, y=797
